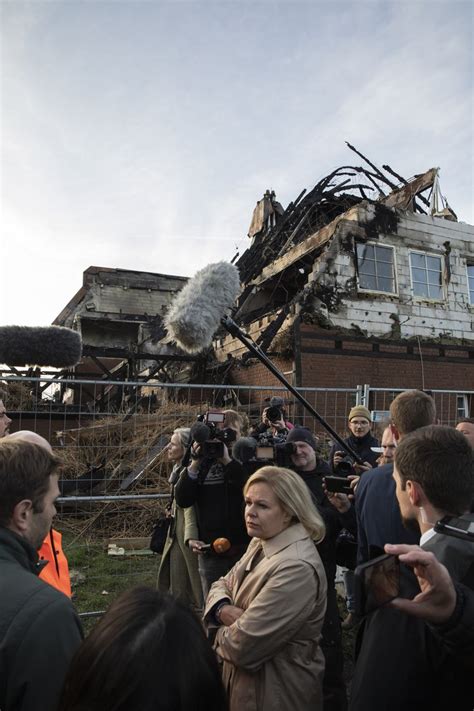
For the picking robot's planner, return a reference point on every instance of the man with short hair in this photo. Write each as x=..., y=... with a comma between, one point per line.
x=39, y=629
x=388, y=447
x=312, y=470
x=434, y=476
x=360, y=440
x=466, y=427
x=378, y=514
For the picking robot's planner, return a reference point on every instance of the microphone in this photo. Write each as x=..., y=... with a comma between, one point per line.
x=44, y=346
x=220, y=545
x=195, y=314
x=200, y=432
x=244, y=449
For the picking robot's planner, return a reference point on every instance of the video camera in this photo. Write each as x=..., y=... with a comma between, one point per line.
x=274, y=449
x=213, y=446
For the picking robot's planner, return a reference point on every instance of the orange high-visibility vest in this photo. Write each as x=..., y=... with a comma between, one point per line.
x=56, y=572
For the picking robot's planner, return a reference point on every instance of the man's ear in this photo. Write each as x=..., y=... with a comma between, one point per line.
x=22, y=512
x=395, y=433
x=415, y=493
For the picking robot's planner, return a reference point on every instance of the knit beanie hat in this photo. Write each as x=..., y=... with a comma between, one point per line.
x=302, y=434
x=360, y=411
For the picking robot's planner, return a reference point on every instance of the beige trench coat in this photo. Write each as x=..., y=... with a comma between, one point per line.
x=271, y=656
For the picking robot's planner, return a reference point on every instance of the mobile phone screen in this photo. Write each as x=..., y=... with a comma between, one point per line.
x=338, y=484
x=377, y=582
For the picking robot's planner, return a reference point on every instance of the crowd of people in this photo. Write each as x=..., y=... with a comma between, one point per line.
x=245, y=615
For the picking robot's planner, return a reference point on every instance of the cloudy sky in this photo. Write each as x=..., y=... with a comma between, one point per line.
x=140, y=134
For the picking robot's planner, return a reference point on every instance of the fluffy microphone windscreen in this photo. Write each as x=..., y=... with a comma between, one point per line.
x=195, y=314
x=52, y=346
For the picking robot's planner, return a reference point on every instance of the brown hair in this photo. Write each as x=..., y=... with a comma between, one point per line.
x=440, y=460
x=411, y=410
x=25, y=469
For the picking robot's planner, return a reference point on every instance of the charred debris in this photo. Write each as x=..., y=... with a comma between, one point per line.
x=287, y=268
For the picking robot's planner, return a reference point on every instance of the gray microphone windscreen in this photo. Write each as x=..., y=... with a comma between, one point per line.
x=194, y=315
x=244, y=449
x=52, y=346
x=200, y=432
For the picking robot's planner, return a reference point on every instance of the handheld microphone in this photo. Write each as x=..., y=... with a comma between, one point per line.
x=220, y=545
x=195, y=314
x=44, y=346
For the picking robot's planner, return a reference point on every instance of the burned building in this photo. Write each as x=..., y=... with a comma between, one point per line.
x=368, y=278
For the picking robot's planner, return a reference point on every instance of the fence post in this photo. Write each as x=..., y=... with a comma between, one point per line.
x=362, y=395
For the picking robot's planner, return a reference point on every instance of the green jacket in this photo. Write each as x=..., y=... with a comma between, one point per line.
x=39, y=631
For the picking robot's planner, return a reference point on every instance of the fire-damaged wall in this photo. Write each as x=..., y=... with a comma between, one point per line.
x=442, y=309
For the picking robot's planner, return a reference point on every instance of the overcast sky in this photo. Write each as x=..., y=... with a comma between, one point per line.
x=140, y=134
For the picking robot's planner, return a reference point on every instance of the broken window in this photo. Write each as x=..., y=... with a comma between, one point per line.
x=375, y=264
x=426, y=275
x=470, y=282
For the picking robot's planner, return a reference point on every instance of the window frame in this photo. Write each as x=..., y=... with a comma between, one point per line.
x=469, y=264
x=420, y=297
x=376, y=243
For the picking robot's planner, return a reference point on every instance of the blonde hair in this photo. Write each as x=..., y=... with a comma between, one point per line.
x=294, y=497
x=233, y=419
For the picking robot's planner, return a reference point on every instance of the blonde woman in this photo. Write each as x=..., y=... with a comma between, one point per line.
x=270, y=607
x=178, y=572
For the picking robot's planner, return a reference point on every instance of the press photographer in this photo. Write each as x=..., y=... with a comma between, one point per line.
x=360, y=440
x=274, y=420
x=213, y=483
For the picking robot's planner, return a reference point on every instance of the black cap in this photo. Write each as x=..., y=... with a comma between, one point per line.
x=302, y=434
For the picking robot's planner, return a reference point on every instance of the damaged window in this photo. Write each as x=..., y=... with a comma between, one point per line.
x=426, y=275
x=376, y=267
x=470, y=282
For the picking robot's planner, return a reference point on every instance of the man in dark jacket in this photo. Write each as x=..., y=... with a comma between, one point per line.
x=360, y=440
x=214, y=488
x=312, y=470
x=39, y=629
x=434, y=477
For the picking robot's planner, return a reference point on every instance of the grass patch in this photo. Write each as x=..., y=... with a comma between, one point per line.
x=98, y=578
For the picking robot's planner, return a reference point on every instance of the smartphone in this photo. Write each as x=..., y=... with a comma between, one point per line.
x=458, y=527
x=338, y=484
x=376, y=583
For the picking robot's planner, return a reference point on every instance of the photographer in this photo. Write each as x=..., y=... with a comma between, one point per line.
x=338, y=514
x=274, y=420
x=360, y=440
x=213, y=485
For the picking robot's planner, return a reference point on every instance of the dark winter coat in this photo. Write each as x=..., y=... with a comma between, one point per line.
x=218, y=502
x=361, y=446
x=331, y=643
x=402, y=663
x=39, y=631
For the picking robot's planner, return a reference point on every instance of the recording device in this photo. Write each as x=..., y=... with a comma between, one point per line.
x=196, y=312
x=202, y=306
x=220, y=545
x=345, y=466
x=376, y=583
x=274, y=414
x=212, y=439
x=52, y=346
x=457, y=527
x=338, y=484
